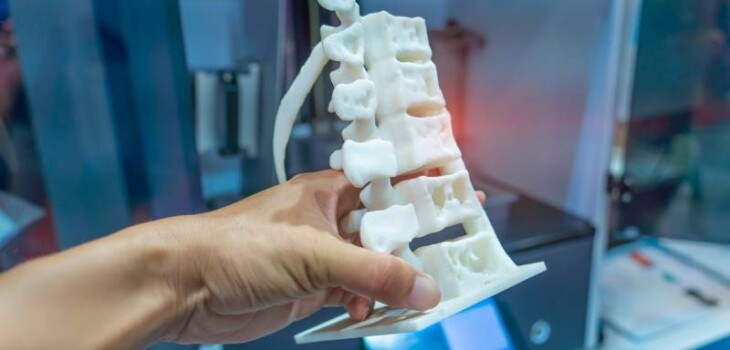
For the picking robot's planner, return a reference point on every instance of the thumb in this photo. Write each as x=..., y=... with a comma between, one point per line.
x=383, y=277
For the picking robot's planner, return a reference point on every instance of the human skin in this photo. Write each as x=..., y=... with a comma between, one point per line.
x=226, y=276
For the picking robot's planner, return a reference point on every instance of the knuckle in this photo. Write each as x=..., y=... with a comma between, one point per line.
x=299, y=179
x=386, y=277
x=318, y=266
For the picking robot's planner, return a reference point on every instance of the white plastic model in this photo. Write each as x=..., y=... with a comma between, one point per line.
x=387, y=87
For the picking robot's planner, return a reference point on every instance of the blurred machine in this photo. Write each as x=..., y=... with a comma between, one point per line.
x=672, y=161
x=149, y=109
x=663, y=284
x=227, y=86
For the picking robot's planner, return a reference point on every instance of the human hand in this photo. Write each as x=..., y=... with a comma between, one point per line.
x=228, y=276
x=252, y=268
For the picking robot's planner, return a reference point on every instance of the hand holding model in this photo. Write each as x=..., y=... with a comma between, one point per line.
x=277, y=257
x=227, y=276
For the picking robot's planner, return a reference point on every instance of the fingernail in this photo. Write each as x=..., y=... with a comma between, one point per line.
x=425, y=293
x=366, y=309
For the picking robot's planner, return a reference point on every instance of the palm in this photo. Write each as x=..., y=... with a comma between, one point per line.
x=210, y=327
x=277, y=257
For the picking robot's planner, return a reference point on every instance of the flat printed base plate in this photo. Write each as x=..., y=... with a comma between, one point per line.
x=388, y=320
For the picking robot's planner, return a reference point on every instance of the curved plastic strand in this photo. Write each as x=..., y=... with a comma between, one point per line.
x=292, y=102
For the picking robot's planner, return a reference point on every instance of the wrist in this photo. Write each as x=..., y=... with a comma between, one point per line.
x=170, y=254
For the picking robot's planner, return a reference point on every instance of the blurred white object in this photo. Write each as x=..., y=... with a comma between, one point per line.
x=653, y=299
x=712, y=257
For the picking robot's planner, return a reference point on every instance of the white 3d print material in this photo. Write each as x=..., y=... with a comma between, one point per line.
x=387, y=87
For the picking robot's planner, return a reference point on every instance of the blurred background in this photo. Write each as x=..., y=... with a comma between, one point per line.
x=599, y=129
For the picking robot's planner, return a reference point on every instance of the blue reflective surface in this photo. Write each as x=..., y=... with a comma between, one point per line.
x=479, y=328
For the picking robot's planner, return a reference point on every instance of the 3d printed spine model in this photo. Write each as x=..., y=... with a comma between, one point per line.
x=387, y=87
